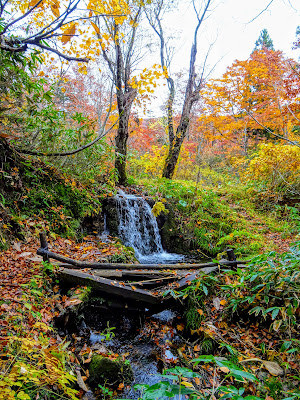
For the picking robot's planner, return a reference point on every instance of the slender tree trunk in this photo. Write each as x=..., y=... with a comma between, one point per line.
x=121, y=146
x=174, y=148
x=125, y=97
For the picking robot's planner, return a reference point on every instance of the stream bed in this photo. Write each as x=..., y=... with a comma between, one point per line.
x=149, y=343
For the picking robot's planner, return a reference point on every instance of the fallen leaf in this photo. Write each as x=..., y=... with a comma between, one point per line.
x=17, y=246
x=224, y=369
x=180, y=327
x=216, y=303
x=72, y=302
x=197, y=380
x=273, y=367
x=24, y=254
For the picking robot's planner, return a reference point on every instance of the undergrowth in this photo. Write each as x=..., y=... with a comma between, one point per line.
x=250, y=317
x=34, y=364
x=215, y=218
x=33, y=190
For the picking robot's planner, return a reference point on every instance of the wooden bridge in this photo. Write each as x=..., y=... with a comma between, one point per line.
x=144, y=285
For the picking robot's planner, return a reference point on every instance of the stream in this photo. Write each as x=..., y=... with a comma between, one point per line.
x=149, y=343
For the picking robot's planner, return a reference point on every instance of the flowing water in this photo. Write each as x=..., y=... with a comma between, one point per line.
x=149, y=344
x=138, y=229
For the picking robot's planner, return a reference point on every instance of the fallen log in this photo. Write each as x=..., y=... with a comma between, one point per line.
x=82, y=264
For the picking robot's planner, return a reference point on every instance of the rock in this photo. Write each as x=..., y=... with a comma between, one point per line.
x=103, y=370
x=109, y=206
x=71, y=317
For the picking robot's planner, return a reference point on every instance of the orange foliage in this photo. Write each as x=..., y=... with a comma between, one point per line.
x=253, y=99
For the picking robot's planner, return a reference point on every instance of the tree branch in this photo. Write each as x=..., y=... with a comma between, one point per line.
x=269, y=130
x=253, y=19
x=51, y=49
x=68, y=153
x=21, y=17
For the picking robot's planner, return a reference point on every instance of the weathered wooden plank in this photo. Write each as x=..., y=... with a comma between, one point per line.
x=129, y=275
x=108, y=286
x=160, y=281
x=107, y=273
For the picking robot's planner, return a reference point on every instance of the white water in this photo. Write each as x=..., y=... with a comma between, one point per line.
x=138, y=229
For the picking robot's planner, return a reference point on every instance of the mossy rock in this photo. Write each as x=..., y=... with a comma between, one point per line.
x=109, y=372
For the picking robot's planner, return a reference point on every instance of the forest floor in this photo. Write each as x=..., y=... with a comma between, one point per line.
x=39, y=363
x=30, y=302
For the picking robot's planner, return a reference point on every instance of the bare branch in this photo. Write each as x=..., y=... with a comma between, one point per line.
x=51, y=49
x=131, y=43
x=258, y=15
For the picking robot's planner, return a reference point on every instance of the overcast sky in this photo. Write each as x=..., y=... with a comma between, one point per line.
x=231, y=27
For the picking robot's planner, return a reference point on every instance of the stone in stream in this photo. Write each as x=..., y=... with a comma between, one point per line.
x=103, y=370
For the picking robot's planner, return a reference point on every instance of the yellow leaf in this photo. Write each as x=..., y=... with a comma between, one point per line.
x=68, y=34
x=34, y=2
x=97, y=30
x=187, y=384
x=223, y=302
x=55, y=11
x=180, y=327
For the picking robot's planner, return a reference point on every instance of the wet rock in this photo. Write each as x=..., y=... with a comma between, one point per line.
x=103, y=370
x=109, y=205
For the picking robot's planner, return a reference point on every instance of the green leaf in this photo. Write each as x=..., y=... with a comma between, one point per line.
x=183, y=203
x=204, y=358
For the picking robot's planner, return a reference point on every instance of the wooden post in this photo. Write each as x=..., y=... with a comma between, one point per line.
x=231, y=257
x=44, y=245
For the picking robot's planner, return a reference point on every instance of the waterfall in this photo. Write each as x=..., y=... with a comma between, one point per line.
x=138, y=229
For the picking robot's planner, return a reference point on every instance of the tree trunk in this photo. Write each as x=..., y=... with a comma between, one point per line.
x=121, y=148
x=174, y=149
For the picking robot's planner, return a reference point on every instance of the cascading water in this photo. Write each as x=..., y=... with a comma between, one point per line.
x=138, y=229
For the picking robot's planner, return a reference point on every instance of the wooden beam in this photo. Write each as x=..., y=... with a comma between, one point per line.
x=81, y=264
x=44, y=246
x=108, y=286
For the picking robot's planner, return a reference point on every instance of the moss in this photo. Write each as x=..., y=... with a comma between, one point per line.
x=82, y=293
x=103, y=370
x=125, y=255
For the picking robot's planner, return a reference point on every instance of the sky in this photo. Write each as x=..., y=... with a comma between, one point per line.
x=233, y=26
